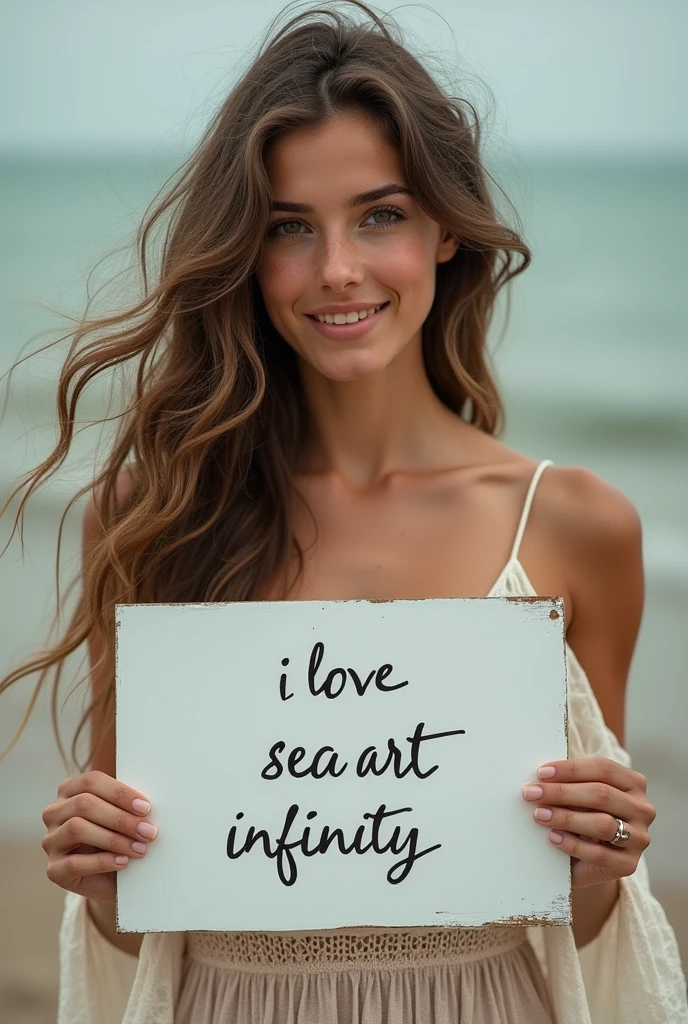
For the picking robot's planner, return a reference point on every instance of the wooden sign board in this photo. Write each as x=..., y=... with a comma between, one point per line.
x=319, y=765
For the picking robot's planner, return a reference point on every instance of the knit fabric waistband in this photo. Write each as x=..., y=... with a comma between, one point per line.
x=349, y=949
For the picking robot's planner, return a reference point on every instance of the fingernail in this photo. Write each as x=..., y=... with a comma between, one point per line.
x=548, y=771
x=543, y=814
x=138, y=847
x=556, y=838
x=532, y=792
x=121, y=860
x=146, y=830
x=140, y=806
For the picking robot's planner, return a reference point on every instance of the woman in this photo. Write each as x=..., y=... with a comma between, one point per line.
x=314, y=418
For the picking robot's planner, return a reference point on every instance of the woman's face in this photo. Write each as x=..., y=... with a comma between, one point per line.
x=379, y=250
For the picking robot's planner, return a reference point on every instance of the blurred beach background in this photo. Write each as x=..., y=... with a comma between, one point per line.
x=594, y=363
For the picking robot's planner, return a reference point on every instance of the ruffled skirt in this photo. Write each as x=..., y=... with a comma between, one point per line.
x=440, y=976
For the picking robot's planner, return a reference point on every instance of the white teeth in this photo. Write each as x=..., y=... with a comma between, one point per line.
x=346, y=318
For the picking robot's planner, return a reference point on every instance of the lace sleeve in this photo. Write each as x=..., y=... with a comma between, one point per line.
x=95, y=977
x=632, y=970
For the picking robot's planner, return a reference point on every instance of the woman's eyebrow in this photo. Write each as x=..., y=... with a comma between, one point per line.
x=363, y=197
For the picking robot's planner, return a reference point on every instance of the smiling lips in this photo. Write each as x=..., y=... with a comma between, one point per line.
x=339, y=327
x=346, y=316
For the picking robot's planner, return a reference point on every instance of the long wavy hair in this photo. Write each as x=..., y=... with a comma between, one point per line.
x=215, y=418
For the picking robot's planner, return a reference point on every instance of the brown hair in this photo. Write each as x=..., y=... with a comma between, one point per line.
x=215, y=418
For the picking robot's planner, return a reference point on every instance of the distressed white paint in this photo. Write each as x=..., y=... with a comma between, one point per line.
x=198, y=708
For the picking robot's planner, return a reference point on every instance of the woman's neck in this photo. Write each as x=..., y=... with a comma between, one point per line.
x=367, y=428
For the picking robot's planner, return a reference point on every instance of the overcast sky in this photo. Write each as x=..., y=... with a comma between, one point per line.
x=573, y=76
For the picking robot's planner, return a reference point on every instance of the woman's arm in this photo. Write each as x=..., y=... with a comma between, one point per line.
x=605, y=566
x=103, y=914
x=97, y=825
x=608, y=592
x=598, y=539
x=103, y=760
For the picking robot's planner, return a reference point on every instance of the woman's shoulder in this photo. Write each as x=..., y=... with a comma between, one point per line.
x=582, y=534
x=573, y=506
x=595, y=535
x=586, y=516
x=591, y=533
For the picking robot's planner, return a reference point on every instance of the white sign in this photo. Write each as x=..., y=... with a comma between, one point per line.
x=340, y=764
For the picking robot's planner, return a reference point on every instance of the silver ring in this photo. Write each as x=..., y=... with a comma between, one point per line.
x=622, y=834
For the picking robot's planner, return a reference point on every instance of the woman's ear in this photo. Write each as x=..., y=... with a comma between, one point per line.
x=447, y=247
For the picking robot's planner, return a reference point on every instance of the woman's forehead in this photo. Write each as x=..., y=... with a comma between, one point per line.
x=345, y=155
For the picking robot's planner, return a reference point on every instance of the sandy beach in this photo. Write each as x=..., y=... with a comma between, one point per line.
x=31, y=909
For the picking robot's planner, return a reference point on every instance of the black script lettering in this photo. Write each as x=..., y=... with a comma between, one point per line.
x=296, y=756
x=382, y=673
x=327, y=685
x=314, y=664
x=273, y=769
x=361, y=687
x=368, y=759
x=340, y=674
x=287, y=872
x=283, y=682
x=329, y=836
x=280, y=850
x=416, y=741
x=331, y=766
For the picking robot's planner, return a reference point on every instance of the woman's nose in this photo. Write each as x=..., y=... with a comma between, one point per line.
x=339, y=264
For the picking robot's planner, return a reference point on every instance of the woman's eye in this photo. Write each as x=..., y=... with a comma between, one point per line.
x=388, y=210
x=283, y=224
x=397, y=214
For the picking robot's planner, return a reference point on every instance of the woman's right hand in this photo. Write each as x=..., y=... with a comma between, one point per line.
x=94, y=827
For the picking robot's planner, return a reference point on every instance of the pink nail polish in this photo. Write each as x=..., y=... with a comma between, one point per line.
x=542, y=814
x=121, y=860
x=556, y=838
x=548, y=771
x=138, y=847
x=146, y=830
x=532, y=792
x=140, y=806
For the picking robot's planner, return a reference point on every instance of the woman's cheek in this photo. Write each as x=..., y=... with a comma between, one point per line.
x=410, y=272
x=280, y=280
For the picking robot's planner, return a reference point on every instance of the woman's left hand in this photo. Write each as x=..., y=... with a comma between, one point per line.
x=581, y=804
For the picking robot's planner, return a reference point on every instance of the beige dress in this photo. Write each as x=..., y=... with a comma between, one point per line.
x=363, y=976
x=630, y=972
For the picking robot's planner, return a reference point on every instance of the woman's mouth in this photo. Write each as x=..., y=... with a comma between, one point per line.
x=344, y=332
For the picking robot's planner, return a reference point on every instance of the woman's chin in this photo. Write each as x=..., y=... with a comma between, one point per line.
x=349, y=366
